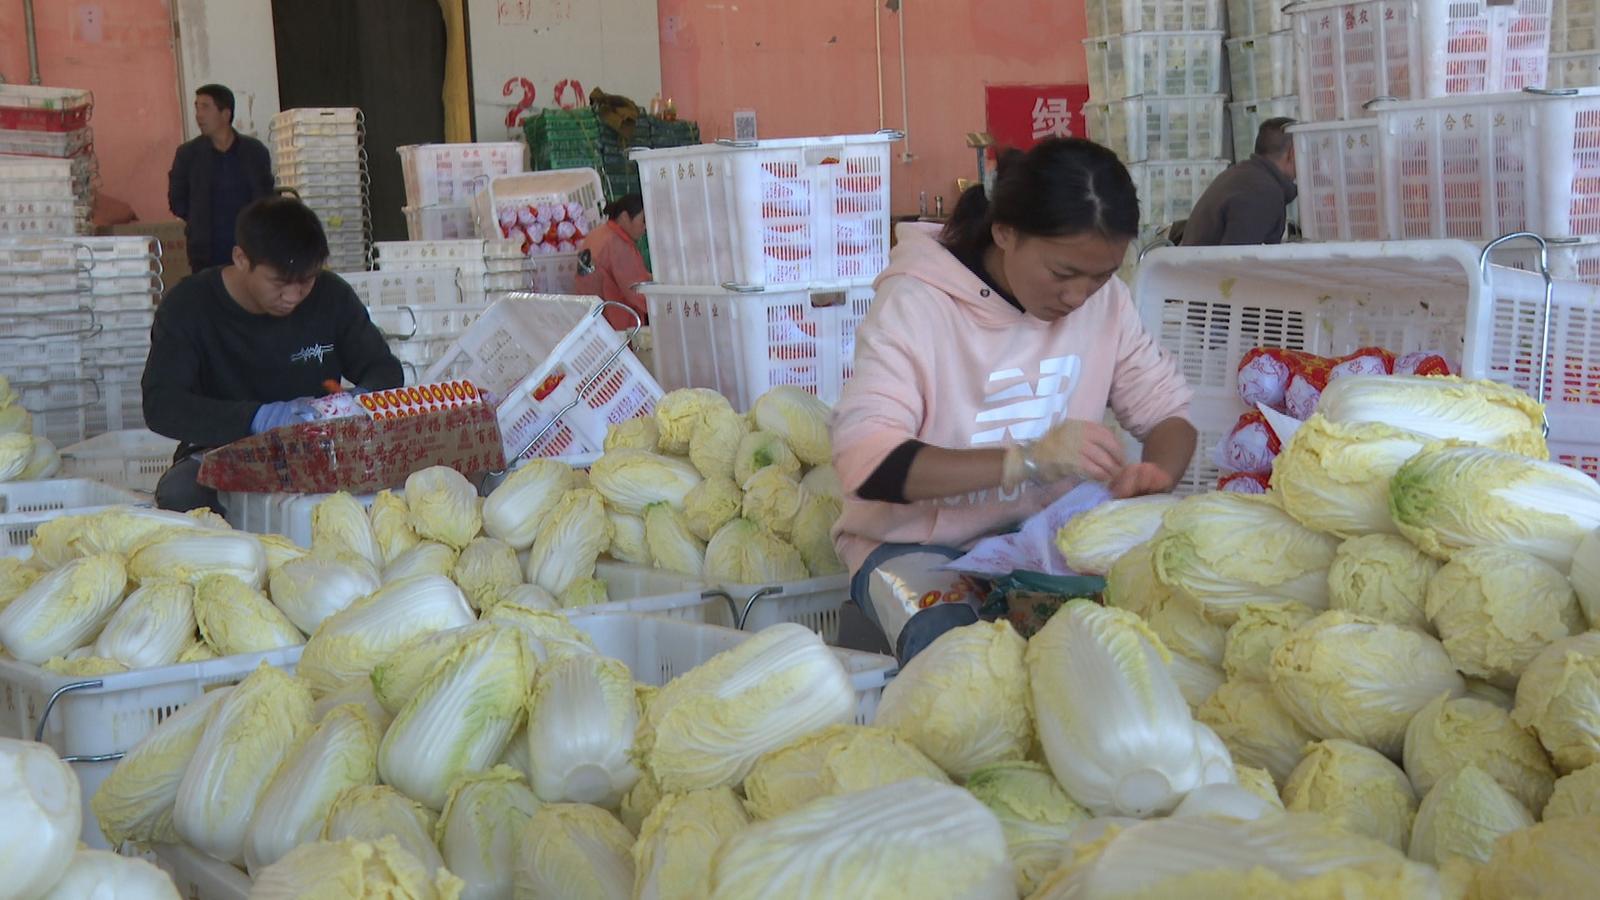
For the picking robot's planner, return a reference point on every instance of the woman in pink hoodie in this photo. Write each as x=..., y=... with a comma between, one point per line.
x=982, y=375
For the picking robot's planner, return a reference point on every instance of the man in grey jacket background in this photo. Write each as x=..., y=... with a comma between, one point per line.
x=1248, y=203
x=214, y=177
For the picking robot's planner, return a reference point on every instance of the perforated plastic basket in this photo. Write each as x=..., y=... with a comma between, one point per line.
x=411, y=287
x=133, y=460
x=1170, y=64
x=813, y=603
x=560, y=374
x=1262, y=66
x=1248, y=116
x=1208, y=305
x=451, y=174
x=1351, y=53
x=39, y=108
x=1168, y=190
x=1108, y=17
x=1574, y=70
x=1571, y=259
x=440, y=223
x=1247, y=17
x=87, y=719
x=25, y=505
x=744, y=344
x=791, y=212
x=569, y=186
x=1575, y=26
x=1340, y=188
x=1159, y=128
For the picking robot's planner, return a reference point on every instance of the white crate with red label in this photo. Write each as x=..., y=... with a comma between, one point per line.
x=452, y=174
x=1340, y=187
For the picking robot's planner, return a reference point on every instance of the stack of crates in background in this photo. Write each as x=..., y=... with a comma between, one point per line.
x=764, y=256
x=125, y=284
x=1404, y=104
x=441, y=180
x=319, y=153
x=577, y=139
x=1157, y=98
x=47, y=163
x=546, y=215
x=1261, y=70
x=424, y=294
x=1574, y=44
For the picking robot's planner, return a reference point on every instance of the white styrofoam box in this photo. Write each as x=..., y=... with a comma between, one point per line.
x=25, y=505
x=1570, y=259
x=440, y=223
x=411, y=287
x=1337, y=169
x=133, y=460
x=1107, y=17
x=1574, y=70
x=1157, y=128
x=742, y=344
x=1170, y=64
x=1351, y=52
x=1575, y=26
x=451, y=174
x=1208, y=305
x=1168, y=190
x=560, y=374
x=1479, y=167
x=569, y=186
x=1262, y=66
x=1246, y=17
x=59, y=144
x=768, y=213
x=106, y=715
x=1248, y=116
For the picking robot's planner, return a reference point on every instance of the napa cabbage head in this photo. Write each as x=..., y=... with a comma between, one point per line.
x=1132, y=583
x=1551, y=859
x=516, y=509
x=1462, y=817
x=1450, y=734
x=963, y=700
x=671, y=544
x=678, y=840
x=1357, y=787
x=424, y=558
x=375, y=812
x=43, y=814
x=312, y=588
x=631, y=480
x=680, y=412
x=1577, y=794
x=63, y=610
x=340, y=525
x=585, y=592
x=1382, y=576
x=1440, y=408
x=103, y=874
x=712, y=504
x=628, y=540
x=481, y=826
x=349, y=643
x=341, y=753
x=1496, y=608
x=486, y=568
x=837, y=760
x=572, y=537
x=634, y=434
x=1092, y=542
x=391, y=526
x=1335, y=478
x=1255, y=727
x=1248, y=644
x=136, y=800
x=744, y=553
x=236, y=618
x=350, y=869
x=772, y=500
x=581, y=723
x=576, y=852
x=714, y=445
x=760, y=450
x=1559, y=698
x=444, y=506
x=1449, y=498
x=191, y=554
x=1035, y=813
x=151, y=627
x=813, y=533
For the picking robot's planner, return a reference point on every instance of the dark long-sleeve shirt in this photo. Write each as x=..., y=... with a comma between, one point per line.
x=1247, y=204
x=212, y=364
x=207, y=189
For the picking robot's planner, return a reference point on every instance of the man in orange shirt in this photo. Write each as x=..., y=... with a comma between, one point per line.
x=611, y=263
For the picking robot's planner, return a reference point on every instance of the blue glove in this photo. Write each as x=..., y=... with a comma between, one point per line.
x=357, y=390
x=281, y=413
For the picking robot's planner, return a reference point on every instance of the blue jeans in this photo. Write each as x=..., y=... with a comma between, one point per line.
x=889, y=584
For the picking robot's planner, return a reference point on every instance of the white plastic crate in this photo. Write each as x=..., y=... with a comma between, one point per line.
x=769, y=213
x=440, y=223
x=432, y=254
x=407, y=323
x=1108, y=17
x=1209, y=305
x=743, y=344
x=1159, y=128
x=1575, y=26
x=324, y=179
x=1337, y=166
x=1574, y=70
x=560, y=374
x=451, y=174
x=570, y=186
x=132, y=460
x=1256, y=17
x=198, y=876
x=411, y=287
x=1571, y=259
x=813, y=603
x=319, y=121
x=1168, y=190
x=1262, y=66
x=25, y=505
x=1248, y=116
x=1351, y=53
x=106, y=715
x=552, y=273
x=59, y=144
x=1479, y=167
x=117, y=399
x=317, y=152
x=1169, y=64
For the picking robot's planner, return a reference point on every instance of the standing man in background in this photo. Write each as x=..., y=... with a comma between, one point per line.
x=214, y=177
x=1249, y=203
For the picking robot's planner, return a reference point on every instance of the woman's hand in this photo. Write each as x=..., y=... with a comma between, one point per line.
x=1078, y=449
x=1141, y=478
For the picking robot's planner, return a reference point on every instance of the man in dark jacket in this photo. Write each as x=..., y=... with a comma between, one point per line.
x=1248, y=203
x=242, y=349
x=214, y=177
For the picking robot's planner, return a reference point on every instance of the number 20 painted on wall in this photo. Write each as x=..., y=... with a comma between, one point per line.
x=568, y=94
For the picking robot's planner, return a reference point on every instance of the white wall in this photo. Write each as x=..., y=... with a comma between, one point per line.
x=228, y=42
x=611, y=44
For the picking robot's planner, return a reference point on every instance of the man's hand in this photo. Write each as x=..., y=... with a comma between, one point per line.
x=1141, y=478
x=281, y=413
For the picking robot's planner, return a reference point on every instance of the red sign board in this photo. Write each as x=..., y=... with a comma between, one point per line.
x=1021, y=115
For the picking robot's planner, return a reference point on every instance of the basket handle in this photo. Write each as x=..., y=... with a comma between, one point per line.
x=749, y=604
x=733, y=608
x=1549, y=300
x=414, y=324
x=44, y=718
x=92, y=329
x=584, y=385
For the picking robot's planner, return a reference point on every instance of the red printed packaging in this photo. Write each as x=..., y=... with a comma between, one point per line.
x=1251, y=446
x=1244, y=483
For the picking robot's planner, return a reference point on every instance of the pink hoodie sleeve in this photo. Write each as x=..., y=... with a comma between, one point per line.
x=881, y=406
x=1146, y=386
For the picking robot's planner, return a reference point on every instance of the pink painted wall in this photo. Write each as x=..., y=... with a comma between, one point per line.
x=808, y=68
x=123, y=51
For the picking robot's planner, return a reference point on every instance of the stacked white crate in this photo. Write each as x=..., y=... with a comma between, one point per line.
x=1261, y=70
x=1431, y=63
x=319, y=153
x=124, y=286
x=1157, y=98
x=1574, y=44
x=441, y=180
x=44, y=321
x=44, y=133
x=424, y=294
